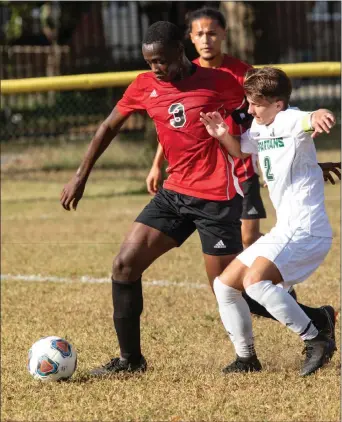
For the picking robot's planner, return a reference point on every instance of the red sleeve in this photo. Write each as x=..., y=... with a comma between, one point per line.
x=233, y=96
x=132, y=99
x=240, y=75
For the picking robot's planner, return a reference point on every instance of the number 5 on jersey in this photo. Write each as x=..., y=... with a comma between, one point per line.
x=178, y=112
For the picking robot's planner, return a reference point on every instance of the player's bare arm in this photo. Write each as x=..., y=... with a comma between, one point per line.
x=322, y=120
x=74, y=189
x=217, y=128
x=154, y=177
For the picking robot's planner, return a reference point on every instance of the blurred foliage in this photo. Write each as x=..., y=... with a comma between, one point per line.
x=19, y=13
x=63, y=16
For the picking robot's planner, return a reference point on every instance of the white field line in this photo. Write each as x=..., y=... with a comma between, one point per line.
x=92, y=280
x=87, y=279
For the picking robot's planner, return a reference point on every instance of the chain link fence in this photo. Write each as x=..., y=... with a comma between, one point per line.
x=92, y=37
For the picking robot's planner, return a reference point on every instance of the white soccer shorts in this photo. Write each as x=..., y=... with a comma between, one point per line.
x=296, y=257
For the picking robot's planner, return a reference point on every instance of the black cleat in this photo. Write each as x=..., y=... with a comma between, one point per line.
x=250, y=364
x=329, y=329
x=318, y=352
x=117, y=365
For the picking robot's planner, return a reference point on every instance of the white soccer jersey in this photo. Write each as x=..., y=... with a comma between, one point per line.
x=287, y=158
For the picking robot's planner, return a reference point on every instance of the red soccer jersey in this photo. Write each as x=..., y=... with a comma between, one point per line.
x=198, y=165
x=244, y=168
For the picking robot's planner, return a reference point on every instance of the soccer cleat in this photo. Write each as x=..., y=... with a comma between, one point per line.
x=318, y=351
x=330, y=314
x=250, y=364
x=117, y=365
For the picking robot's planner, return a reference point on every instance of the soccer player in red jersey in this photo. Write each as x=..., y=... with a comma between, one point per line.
x=201, y=193
x=207, y=32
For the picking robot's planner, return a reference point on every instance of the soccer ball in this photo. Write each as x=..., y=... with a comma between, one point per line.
x=52, y=359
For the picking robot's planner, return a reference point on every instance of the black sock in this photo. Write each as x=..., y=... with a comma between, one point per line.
x=316, y=315
x=128, y=306
x=256, y=308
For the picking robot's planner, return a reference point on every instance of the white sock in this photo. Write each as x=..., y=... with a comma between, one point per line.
x=283, y=307
x=236, y=318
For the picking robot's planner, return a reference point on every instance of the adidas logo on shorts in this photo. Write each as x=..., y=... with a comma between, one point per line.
x=252, y=211
x=220, y=245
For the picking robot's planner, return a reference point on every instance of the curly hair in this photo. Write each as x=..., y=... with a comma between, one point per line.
x=165, y=33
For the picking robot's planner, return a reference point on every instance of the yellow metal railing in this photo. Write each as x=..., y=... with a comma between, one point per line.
x=114, y=79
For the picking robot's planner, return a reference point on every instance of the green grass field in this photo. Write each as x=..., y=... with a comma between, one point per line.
x=182, y=336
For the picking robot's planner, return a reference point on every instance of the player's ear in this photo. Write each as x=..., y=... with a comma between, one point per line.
x=280, y=105
x=224, y=34
x=191, y=36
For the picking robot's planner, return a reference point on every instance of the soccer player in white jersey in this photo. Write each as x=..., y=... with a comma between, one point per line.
x=302, y=236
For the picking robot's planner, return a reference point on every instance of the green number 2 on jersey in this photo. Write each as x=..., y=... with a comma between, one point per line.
x=267, y=165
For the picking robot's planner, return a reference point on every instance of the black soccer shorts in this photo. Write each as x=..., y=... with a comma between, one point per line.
x=178, y=216
x=252, y=205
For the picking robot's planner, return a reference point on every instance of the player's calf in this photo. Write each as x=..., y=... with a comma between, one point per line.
x=128, y=306
x=329, y=326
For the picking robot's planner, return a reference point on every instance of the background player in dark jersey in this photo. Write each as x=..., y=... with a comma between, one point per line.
x=200, y=193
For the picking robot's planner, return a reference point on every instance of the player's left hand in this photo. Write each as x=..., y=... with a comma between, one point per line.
x=322, y=120
x=214, y=124
x=329, y=168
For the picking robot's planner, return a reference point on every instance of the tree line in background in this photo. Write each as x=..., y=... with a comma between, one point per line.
x=258, y=32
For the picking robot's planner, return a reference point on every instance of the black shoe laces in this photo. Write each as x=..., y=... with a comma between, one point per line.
x=308, y=351
x=114, y=363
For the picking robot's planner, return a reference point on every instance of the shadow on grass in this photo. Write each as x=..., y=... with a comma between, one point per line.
x=84, y=377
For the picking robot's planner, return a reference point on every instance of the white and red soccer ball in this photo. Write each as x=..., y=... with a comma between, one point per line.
x=52, y=359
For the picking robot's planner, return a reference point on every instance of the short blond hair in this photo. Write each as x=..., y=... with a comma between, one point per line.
x=268, y=83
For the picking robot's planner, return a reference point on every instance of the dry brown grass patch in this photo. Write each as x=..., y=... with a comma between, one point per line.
x=183, y=339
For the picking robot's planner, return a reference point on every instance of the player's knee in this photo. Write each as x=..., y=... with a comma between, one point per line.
x=124, y=269
x=250, y=278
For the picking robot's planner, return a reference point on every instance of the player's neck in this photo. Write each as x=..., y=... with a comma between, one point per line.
x=186, y=70
x=212, y=63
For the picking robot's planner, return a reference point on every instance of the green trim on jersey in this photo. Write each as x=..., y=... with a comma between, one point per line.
x=306, y=123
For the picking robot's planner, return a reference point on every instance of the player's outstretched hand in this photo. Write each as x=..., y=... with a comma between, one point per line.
x=214, y=124
x=72, y=193
x=153, y=179
x=329, y=168
x=322, y=120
